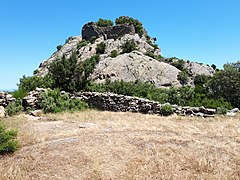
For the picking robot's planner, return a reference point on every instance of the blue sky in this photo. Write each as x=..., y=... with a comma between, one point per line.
x=206, y=31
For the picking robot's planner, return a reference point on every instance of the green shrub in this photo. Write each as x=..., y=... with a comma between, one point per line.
x=30, y=83
x=100, y=49
x=19, y=94
x=104, y=23
x=82, y=44
x=59, y=47
x=150, y=54
x=14, y=108
x=53, y=102
x=183, y=77
x=166, y=110
x=179, y=64
x=128, y=46
x=137, y=24
x=93, y=39
x=113, y=54
x=8, y=142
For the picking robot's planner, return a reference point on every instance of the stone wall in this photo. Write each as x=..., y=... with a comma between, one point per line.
x=90, y=30
x=6, y=98
x=120, y=103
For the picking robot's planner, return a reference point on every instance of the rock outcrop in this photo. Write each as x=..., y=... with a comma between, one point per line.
x=2, y=111
x=91, y=30
x=136, y=66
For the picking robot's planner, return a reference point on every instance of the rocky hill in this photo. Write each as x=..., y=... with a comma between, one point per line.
x=143, y=63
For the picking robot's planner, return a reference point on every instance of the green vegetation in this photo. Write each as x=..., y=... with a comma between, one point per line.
x=137, y=24
x=183, y=77
x=52, y=102
x=69, y=75
x=30, y=83
x=184, y=96
x=104, y=22
x=226, y=84
x=59, y=47
x=113, y=54
x=150, y=54
x=166, y=110
x=128, y=46
x=14, y=108
x=82, y=44
x=8, y=142
x=178, y=63
x=100, y=49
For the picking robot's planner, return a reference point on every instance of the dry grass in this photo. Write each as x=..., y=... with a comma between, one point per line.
x=108, y=145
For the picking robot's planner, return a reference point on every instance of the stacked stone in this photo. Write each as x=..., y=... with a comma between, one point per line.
x=6, y=98
x=31, y=100
x=120, y=103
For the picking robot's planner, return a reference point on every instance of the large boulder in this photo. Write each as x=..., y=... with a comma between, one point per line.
x=136, y=66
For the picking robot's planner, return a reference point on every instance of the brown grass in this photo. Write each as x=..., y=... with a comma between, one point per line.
x=108, y=145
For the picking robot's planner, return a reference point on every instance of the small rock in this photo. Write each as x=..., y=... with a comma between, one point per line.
x=231, y=114
x=37, y=113
x=235, y=110
x=2, y=111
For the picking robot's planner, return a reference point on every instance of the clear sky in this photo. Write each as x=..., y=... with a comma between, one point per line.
x=206, y=31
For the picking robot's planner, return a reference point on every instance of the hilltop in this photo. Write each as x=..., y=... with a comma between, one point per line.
x=126, y=53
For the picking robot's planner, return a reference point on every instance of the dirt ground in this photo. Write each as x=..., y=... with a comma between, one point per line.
x=108, y=145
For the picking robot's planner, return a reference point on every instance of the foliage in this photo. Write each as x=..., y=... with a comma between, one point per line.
x=184, y=96
x=59, y=47
x=128, y=46
x=214, y=66
x=69, y=75
x=150, y=54
x=201, y=79
x=113, y=54
x=93, y=38
x=14, y=108
x=137, y=24
x=53, y=102
x=30, y=83
x=100, y=49
x=8, y=142
x=183, y=77
x=19, y=94
x=226, y=84
x=82, y=44
x=104, y=22
x=166, y=110
x=179, y=64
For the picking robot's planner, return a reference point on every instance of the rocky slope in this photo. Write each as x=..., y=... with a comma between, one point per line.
x=132, y=66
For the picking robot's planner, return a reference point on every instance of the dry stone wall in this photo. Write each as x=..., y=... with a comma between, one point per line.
x=120, y=103
x=6, y=98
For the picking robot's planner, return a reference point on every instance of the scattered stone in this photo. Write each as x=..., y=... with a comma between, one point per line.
x=37, y=113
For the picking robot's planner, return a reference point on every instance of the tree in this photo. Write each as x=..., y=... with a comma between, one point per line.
x=226, y=83
x=104, y=22
x=128, y=46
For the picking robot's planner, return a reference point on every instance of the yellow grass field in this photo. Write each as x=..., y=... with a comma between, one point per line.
x=108, y=145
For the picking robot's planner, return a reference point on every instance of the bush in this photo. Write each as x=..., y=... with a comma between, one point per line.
x=93, y=39
x=137, y=24
x=166, y=110
x=59, y=47
x=8, y=142
x=82, y=44
x=104, y=23
x=183, y=77
x=128, y=46
x=113, y=54
x=179, y=64
x=150, y=54
x=19, y=94
x=30, y=83
x=100, y=49
x=14, y=108
x=53, y=102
